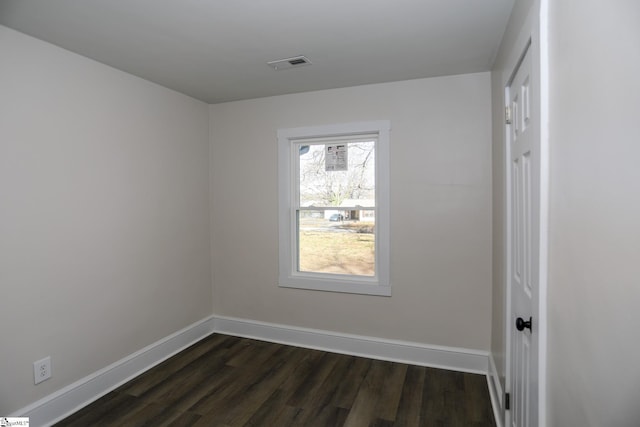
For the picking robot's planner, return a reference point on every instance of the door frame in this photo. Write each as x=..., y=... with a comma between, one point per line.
x=533, y=36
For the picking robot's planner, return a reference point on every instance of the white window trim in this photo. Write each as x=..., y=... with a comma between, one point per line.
x=288, y=277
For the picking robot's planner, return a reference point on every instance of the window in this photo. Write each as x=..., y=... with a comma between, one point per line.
x=334, y=208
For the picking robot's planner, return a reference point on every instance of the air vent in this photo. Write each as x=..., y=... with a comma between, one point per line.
x=296, y=61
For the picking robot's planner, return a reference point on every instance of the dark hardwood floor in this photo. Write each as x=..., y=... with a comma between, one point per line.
x=230, y=381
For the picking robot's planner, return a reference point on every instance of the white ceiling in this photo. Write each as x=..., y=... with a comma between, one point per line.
x=217, y=50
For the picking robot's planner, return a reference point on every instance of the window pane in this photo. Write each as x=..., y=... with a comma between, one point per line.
x=329, y=242
x=323, y=188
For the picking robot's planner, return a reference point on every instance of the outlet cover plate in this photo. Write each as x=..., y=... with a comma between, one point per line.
x=42, y=370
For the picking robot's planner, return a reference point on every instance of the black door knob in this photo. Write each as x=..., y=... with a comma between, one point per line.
x=521, y=324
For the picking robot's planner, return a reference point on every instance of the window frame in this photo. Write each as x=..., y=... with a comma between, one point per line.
x=289, y=277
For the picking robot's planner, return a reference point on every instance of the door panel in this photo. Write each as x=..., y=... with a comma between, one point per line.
x=524, y=225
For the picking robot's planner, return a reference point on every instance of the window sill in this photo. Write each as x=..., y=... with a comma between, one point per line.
x=336, y=286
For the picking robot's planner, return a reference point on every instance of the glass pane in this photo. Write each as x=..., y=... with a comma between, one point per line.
x=321, y=187
x=331, y=241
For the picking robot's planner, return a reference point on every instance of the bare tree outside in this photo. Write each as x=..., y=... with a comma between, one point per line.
x=330, y=188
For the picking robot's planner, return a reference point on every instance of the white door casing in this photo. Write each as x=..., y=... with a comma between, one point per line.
x=523, y=230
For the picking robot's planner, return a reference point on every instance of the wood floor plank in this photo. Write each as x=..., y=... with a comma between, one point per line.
x=313, y=382
x=154, y=415
x=226, y=381
x=288, y=417
x=238, y=380
x=478, y=404
x=337, y=418
x=239, y=408
x=381, y=423
x=356, y=372
x=146, y=412
x=319, y=404
x=208, y=386
x=435, y=394
x=182, y=381
x=363, y=409
x=249, y=350
x=319, y=391
x=104, y=411
x=408, y=413
x=243, y=380
x=387, y=408
x=269, y=413
x=174, y=364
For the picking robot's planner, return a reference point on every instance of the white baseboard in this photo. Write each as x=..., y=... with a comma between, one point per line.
x=496, y=392
x=64, y=402
x=452, y=358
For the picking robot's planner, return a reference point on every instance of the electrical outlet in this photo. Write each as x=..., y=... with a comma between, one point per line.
x=42, y=370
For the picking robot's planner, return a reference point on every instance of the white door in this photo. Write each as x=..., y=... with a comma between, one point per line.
x=524, y=241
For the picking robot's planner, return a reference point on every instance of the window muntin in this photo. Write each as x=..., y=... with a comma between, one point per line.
x=334, y=215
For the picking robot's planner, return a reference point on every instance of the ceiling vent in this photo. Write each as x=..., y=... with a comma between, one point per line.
x=283, y=64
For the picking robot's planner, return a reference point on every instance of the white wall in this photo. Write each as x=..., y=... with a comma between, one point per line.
x=594, y=285
x=104, y=215
x=440, y=225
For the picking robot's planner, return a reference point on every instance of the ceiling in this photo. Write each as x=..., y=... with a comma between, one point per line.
x=217, y=50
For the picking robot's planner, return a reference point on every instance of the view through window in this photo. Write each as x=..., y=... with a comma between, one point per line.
x=336, y=206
